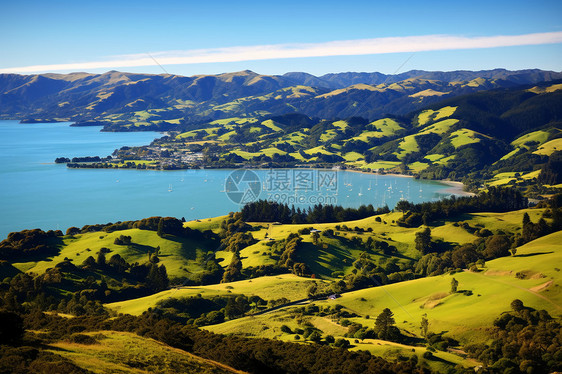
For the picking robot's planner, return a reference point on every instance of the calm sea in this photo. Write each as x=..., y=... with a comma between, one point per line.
x=37, y=193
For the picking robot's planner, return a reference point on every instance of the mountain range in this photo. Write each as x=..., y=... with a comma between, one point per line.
x=147, y=99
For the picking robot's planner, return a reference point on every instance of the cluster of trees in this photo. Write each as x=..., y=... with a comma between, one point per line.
x=525, y=341
x=384, y=328
x=63, y=160
x=289, y=254
x=532, y=231
x=468, y=255
x=162, y=225
x=494, y=200
x=551, y=172
x=267, y=211
x=237, y=241
x=123, y=240
x=201, y=311
x=26, y=243
x=154, y=276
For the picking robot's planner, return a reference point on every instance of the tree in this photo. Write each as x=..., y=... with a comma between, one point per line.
x=300, y=269
x=100, y=261
x=315, y=336
x=157, y=278
x=234, y=270
x=517, y=305
x=423, y=241
x=315, y=236
x=404, y=206
x=118, y=263
x=89, y=262
x=424, y=325
x=497, y=246
x=384, y=325
x=160, y=231
x=286, y=329
x=342, y=343
x=72, y=231
x=454, y=285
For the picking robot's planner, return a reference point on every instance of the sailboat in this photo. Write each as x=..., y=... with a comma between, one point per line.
x=370, y=185
x=170, y=189
x=360, y=191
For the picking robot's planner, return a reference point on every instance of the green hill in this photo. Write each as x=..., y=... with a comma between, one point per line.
x=124, y=352
x=531, y=275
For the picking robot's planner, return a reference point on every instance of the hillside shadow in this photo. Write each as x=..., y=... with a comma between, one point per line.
x=8, y=270
x=310, y=255
x=457, y=218
x=188, y=247
x=141, y=248
x=533, y=254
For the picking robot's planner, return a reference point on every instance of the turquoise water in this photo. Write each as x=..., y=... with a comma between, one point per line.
x=36, y=193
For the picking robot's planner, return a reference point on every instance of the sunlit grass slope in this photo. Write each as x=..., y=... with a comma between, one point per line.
x=288, y=286
x=123, y=352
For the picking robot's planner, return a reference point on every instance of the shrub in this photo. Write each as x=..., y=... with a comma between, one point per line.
x=82, y=339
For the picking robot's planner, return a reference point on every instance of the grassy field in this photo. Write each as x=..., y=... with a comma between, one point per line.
x=319, y=149
x=464, y=315
x=418, y=166
x=429, y=115
x=123, y=352
x=532, y=275
x=512, y=153
x=463, y=137
x=539, y=90
x=440, y=127
x=268, y=288
x=342, y=125
x=407, y=145
x=386, y=126
x=353, y=156
x=328, y=135
x=381, y=165
x=535, y=136
x=272, y=125
x=177, y=254
x=550, y=147
x=331, y=255
x=233, y=120
x=192, y=134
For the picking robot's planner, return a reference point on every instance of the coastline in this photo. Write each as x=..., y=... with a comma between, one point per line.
x=455, y=188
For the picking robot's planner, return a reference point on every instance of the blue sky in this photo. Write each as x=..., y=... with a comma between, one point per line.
x=207, y=37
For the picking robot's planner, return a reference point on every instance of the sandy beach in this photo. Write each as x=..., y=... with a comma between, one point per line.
x=456, y=188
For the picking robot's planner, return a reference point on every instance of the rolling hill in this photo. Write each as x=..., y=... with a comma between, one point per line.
x=122, y=98
x=476, y=137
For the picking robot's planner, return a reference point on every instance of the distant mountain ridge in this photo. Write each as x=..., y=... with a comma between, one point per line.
x=147, y=99
x=341, y=80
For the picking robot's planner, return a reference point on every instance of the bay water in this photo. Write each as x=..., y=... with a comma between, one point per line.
x=37, y=193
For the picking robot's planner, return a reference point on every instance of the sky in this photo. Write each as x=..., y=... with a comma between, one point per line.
x=274, y=37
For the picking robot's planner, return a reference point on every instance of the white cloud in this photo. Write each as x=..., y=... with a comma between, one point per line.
x=279, y=51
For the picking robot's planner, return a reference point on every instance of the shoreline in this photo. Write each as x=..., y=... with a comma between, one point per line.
x=455, y=188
